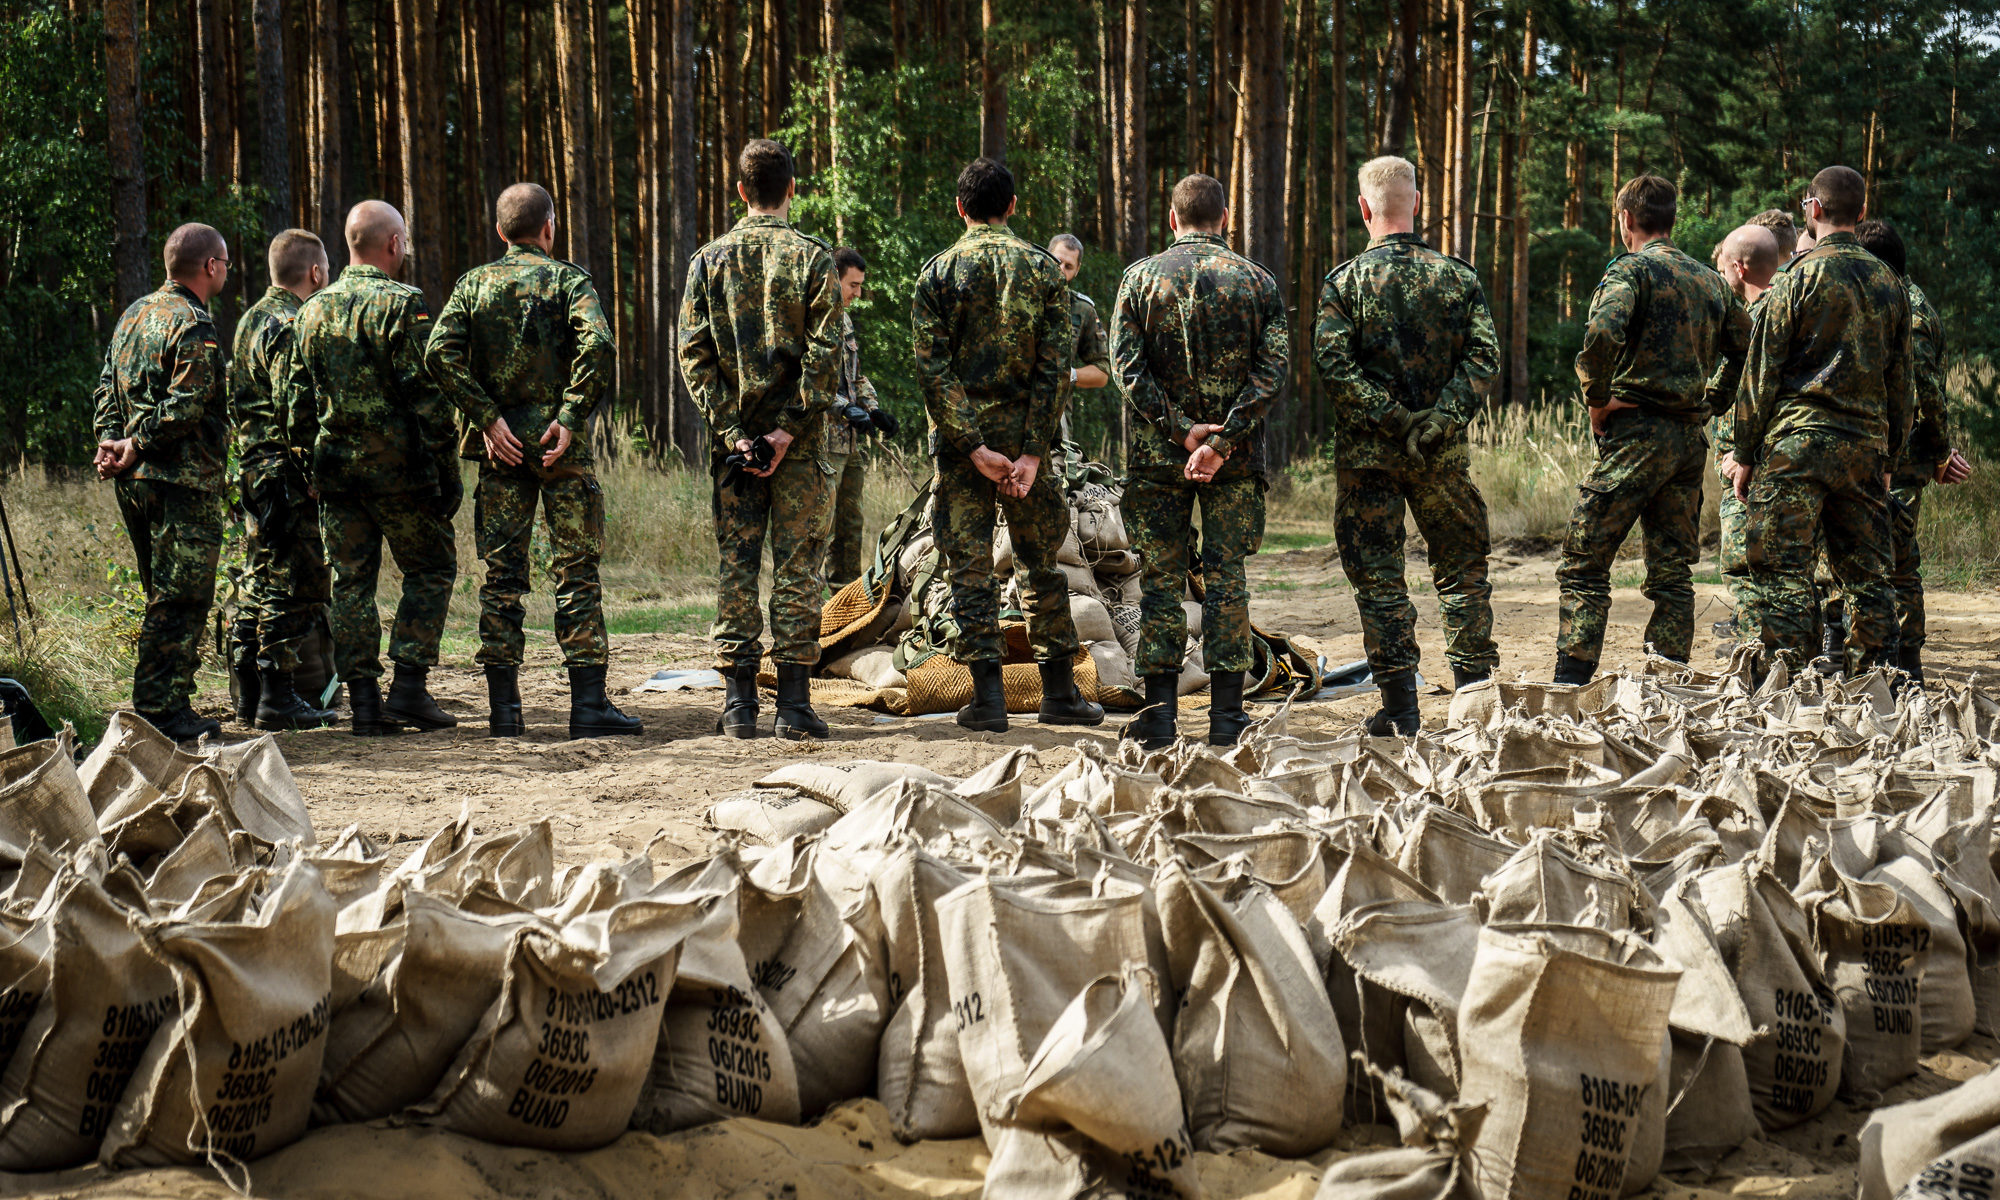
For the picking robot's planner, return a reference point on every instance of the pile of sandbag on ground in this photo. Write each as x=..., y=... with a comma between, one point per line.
x=1578, y=937
x=890, y=630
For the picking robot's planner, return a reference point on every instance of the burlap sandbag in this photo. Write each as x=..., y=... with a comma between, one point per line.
x=1794, y=1070
x=42, y=799
x=1256, y=1045
x=1433, y=1163
x=1709, y=1114
x=1015, y=958
x=106, y=997
x=232, y=1076
x=1096, y=1110
x=27, y=945
x=920, y=1074
x=1562, y=1030
x=1092, y=620
x=1948, y=1009
x=559, y=1060
x=771, y=815
x=1450, y=854
x=389, y=1049
x=264, y=801
x=1943, y=1145
x=1869, y=938
x=721, y=1051
x=1544, y=884
x=846, y=784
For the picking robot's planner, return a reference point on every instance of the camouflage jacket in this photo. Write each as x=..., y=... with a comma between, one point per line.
x=1400, y=323
x=1092, y=347
x=1200, y=338
x=854, y=389
x=1660, y=325
x=1725, y=420
x=363, y=415
x=1930, y=433
x=1829, y=351
x=256, y=373
x=162, y=386
x=524, y=338
x=991, y=336
x=759, y=327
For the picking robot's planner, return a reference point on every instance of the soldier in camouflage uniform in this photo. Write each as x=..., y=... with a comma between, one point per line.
x=856, y=412
x=1823, y=413
x=1403, y=342
x=1929, y=456
x=285, y=583
x=1202, y=349
x=990, y=334
x=1659, y=325
x=758, y=350
x=1090, y=356
x=378, y=447
x=1747, y=258
x=523, y=344
x=160, y=427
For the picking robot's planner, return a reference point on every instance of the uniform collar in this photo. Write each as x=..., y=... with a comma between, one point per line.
x=283, y=296
x=1657, y=244
x=984, y=230
x=526, y=250
x=1414, y=238
x=176, y=288
x=763, y=221
x=1838, y=238
x=363, y=271
x=1197, y=235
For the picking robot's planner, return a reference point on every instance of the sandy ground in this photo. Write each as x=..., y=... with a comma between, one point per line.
x=614, y=797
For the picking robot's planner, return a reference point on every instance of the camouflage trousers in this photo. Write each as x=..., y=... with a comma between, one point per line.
x=1732, y=555
x=843, y=552
x=1036, y=524
x=790, y=509
x=1812, y=482
x=1160, y=514
x=1906, y=568
x=1648, y=473
x=503, y=524
x=1451, y=515
x=285, y=580
x=176, y=535
x=420, y=539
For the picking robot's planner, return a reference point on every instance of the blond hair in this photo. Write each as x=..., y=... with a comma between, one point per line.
x=293, y=255
x=1389, y=184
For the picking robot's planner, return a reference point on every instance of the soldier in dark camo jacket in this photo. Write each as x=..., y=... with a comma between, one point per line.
x=160, y=425
x=1821, y=417
x=378, y=446
x=285, y=582
x=522, y=345
x=759, y=349
x=1747, y=259
x=1202, y=349
x=1929, y=456
x=991, y=338
x=1659, y=324
x=846, y=427
x=1089, y=367
x=1403, y=341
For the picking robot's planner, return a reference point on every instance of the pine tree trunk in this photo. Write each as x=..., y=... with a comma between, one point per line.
x=687, y=210
x=603, y=178
x=1405, y=81
x=1464, y=191
x=1132, y=197
x=210, y=84
x=1337, y=209
x=130, y=272
x=1517, y=368
x=331, y=167
x=836, y=69
x=572, y=22
x=992, y=89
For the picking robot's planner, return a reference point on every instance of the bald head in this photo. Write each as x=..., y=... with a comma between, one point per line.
x=376, y=235
x=1748, y=258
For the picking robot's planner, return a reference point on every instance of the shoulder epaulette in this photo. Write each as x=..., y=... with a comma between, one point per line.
x=583, y=271
x=809, y=237
x=1082, y=297
x=1041, y=250
x=1461, y=262
x=933, y=259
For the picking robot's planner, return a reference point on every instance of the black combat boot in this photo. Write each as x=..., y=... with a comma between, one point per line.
x=1061, y=704
x=184, y=724
x=1226, y=718
x=1573, y=670
x=279, y=705
x=503, y=701
x=244, y=680
x=739, y=702
x=1398, y=716
x=1462, y=678
x=1158, y=724
x=988, y=711
x=409, y=700
x=1833, y=631
x=591, y=713
x=796, y=720
x=1911, y=659
x=364, y=705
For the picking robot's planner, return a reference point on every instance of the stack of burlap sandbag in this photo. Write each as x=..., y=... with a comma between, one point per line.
x=890, y=631
x=1578, y=937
